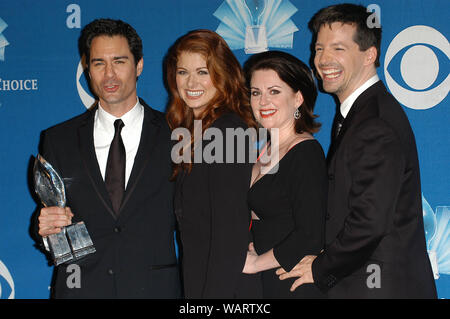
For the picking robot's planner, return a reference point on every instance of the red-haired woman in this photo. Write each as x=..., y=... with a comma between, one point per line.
x=206, y=83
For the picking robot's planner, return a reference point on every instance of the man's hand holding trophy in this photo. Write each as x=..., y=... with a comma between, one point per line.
x=64, y=240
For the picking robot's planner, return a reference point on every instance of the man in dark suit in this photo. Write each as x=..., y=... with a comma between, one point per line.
x=375, y=241
x=115, y=161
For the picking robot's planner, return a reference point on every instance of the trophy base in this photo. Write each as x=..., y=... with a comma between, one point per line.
x=255, y=50
x=62, y=259
x=83, y=252
x=72, y=243
x=255, y=39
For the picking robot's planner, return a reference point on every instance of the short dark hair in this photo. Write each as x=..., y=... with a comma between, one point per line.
x=110, y=27
x=357, y=15
x=294, y=73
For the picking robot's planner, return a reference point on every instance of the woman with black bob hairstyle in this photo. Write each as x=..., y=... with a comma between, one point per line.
x=288, y=196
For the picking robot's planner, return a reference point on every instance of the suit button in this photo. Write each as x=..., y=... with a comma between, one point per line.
x=178, y=213
x=327, y=216
x=331, y=281
x=117, y=229
x=331, y=177
x=110, y=272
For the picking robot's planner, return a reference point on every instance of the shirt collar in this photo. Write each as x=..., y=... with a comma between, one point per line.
x=348, y=102
x=106, y=119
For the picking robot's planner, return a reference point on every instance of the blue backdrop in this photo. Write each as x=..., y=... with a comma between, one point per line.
x=41, y=84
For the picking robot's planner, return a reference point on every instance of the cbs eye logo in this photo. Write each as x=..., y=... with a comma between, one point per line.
x=419, y=67
x=85, y=97
x=6, y=278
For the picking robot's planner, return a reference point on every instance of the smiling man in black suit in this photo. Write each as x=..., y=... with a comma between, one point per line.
x=375, y=241
x=117, y=158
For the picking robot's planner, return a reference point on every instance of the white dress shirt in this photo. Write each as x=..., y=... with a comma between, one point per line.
x=348, y=102
x=131, y=136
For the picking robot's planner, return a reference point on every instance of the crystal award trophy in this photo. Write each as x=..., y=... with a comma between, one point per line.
x=73, y=242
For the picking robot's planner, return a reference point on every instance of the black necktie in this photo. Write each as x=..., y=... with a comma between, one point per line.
x=339, y=121
x=115, y=168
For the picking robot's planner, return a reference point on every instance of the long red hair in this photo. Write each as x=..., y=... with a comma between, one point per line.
x=226, y=75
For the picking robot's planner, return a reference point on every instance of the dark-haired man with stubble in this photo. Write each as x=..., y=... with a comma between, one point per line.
x=375, y=241
x=117, y=159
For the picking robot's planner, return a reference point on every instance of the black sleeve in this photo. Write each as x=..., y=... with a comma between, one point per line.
x=306, y=187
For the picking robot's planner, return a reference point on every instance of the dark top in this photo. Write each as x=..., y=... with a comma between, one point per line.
x=213, y=216
x=291, y=206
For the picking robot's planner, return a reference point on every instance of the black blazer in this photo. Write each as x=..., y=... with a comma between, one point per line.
x=214, y=219
x=375, y=241
x=135, y=255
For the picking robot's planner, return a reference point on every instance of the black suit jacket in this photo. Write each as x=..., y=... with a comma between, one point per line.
x=375, y=241
x=135, y=255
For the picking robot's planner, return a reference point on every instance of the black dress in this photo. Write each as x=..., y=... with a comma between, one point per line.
x=214, y=219
x=291, y=206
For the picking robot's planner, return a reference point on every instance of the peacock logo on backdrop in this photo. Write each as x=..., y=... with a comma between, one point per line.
x=256, y=25
x=3, y=41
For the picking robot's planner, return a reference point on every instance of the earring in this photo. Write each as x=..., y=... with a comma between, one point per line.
x=297, y=114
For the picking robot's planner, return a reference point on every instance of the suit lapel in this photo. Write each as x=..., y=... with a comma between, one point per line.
x=349, y=120
x=150, y=130
x=337, y=141
x=87, y=150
